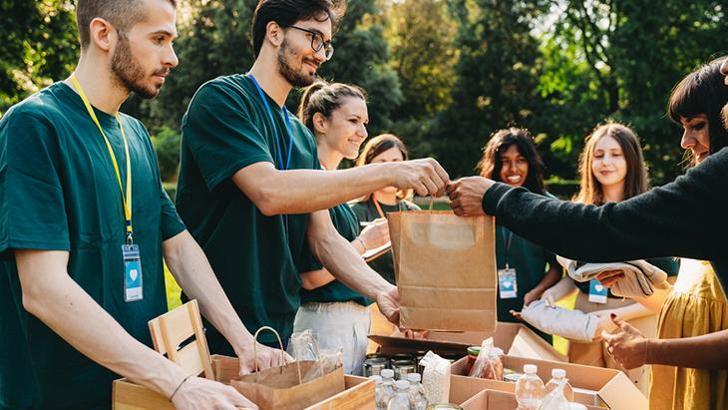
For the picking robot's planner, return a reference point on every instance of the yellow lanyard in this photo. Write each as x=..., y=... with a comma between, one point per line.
x=125, y=198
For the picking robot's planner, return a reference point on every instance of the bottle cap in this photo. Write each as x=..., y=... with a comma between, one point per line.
x=387, y=373
x=560, y=373
x=530, y=369
x=377, y=378
x=414, y=377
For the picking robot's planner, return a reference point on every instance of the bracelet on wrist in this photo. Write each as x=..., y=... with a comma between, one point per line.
x=363, y=245
x=178, y=387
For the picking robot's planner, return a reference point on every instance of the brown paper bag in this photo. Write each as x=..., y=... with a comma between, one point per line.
x=292, y=386
x=446, y=270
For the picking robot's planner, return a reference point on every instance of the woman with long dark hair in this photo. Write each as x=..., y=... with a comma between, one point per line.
x=525, y=270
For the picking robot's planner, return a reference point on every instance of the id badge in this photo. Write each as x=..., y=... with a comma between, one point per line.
x=507, y=285
x=597, y=292
x=133, y=290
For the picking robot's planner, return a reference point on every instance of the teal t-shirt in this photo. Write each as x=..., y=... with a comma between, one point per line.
x=366, y=211
x=58, y=191
x=347, y=225
x=530, y=261
x=256, y=258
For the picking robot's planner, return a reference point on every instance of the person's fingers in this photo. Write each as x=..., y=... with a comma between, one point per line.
x=236, y=399
x=420, y=188
x=611, y=338
x=431, y=186
x=515, y=314
x=626, y=327
x=441, y=173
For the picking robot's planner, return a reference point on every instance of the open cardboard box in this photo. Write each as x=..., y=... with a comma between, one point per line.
x=496, y=400
x=358, y=392
x=594, y=386
x=514, y=338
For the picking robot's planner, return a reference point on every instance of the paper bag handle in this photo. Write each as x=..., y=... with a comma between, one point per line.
x=280, y=344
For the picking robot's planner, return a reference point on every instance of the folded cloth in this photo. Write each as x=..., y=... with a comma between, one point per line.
x=640, y=277
x=571, y=324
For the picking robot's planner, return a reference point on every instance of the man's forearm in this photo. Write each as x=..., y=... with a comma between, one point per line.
x=699, y=352
x=189, y=266
x=301, y=191
x=70, y=312
x=550, y=279
x=342, y=261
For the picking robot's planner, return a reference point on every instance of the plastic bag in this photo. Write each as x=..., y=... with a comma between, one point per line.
x=436, y=378
x=489, y=364
x=304, y=346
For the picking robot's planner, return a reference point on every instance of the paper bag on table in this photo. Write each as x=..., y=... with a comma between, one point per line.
x=446, y=270
x=292, y=386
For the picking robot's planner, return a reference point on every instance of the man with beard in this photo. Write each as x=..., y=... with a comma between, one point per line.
x=251, y=188
x=84, y=224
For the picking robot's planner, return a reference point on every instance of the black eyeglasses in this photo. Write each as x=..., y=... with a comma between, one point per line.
x=317, y=42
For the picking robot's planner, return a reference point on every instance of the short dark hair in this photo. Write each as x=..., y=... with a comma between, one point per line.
x=491, y=163
x=288, y=12
x=702, y=92
x=325, y=98
x=122, y=14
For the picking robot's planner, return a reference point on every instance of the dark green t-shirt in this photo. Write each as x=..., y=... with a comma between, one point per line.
x=530, y=262
x=347, y=225
x=256, y=259
x=58, y=191
x=366, y=211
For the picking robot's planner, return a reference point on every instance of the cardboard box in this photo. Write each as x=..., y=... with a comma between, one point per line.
x=596, y=386
x=358, y=393
x=496, y=400
x=515, y=339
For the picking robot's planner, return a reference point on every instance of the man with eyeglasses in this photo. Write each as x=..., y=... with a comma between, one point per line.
x=251, y=189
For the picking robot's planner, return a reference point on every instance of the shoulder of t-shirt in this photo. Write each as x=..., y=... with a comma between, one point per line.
x=225, y=84
x=39, y=111
x=219, y=90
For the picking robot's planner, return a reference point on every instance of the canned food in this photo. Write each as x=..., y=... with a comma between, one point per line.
x=374, y=366
x=402, y=368
x=512, y=377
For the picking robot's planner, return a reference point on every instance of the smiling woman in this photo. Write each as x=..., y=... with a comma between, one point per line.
x=337, y=116
x=511, y=157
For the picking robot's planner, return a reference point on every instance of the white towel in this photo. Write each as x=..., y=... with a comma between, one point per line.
x=640, y=277
x=571, y=324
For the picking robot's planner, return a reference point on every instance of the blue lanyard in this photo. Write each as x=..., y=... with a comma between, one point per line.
x=279, y=150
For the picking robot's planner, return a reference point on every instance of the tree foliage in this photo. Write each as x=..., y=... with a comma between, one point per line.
x=442, y=74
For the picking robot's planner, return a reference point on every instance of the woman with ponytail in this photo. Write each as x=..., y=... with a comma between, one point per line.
x=337, y=116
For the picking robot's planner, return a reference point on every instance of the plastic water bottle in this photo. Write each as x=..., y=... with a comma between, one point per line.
x=529, y=389
x=387, y=388
x=401, y=400
x=418, y=400
x=379, y=401
x=558, y=376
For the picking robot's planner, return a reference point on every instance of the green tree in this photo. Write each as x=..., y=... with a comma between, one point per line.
x=497, y=78
x=420, y=34
x=635, y=52
x=39, y=46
